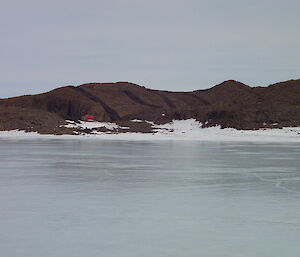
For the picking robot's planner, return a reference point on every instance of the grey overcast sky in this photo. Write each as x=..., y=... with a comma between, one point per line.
x=160, y=44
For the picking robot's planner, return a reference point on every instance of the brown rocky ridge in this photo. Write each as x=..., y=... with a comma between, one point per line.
x=229, y=104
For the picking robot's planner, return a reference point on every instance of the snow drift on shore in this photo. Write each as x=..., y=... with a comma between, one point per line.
x=176, y=130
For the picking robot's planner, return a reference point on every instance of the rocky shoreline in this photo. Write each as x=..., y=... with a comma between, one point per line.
x=188, y=130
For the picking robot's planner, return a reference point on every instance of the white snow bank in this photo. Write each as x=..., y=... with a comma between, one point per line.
x=177, y=130
x=136, y=120
x=92, y=125
x=179, y=126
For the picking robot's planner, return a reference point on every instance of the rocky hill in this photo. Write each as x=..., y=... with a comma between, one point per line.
x=229, y=104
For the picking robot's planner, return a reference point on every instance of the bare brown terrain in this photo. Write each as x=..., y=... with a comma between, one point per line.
x=229, y=104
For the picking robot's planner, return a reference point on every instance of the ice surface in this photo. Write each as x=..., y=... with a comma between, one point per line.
x=111, y=198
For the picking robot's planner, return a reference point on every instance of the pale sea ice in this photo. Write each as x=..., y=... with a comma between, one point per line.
x=174, y=198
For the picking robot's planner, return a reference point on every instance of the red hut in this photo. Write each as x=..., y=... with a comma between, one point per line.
x=88, y=117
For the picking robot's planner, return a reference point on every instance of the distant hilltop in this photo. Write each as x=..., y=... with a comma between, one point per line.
x=229, y=104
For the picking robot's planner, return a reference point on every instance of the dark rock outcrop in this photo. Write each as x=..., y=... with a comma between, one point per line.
x=229, y=104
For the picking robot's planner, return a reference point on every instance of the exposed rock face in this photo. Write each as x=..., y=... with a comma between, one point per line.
x=229, y=104
x=12, y=118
